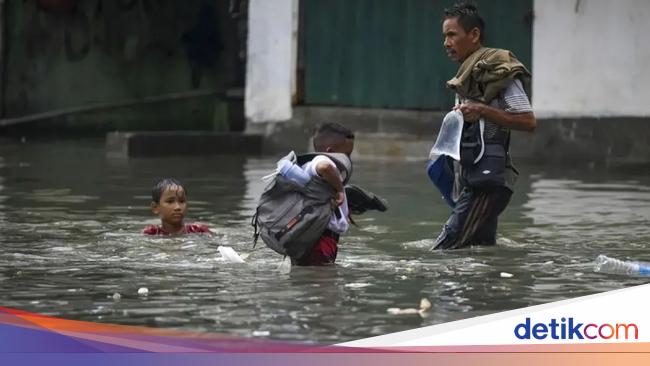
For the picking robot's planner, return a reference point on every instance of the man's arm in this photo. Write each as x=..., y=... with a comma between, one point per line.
x=473, y=111
x=517, y=113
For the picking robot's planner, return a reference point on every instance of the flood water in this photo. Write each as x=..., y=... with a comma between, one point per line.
x=70, y=222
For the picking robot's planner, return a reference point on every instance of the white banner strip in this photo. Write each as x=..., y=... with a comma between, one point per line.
x=618, y=316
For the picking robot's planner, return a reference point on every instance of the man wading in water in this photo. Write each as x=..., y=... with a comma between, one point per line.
x=491, y=86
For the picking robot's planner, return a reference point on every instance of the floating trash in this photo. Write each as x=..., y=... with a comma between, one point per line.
x=285, y=266
x=143, y=291
x=616, y=266
x=398, y=311
x=507, y=275
x=116, y=296
x=230, y=255
x=425, y=305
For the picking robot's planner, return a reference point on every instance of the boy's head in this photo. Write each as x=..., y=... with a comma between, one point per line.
x=169, y=201
x=334, y=138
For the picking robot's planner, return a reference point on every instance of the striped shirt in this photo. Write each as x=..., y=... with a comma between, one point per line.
x=513, y=99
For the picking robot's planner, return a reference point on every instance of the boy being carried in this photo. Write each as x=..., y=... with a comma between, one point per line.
x=329, y=138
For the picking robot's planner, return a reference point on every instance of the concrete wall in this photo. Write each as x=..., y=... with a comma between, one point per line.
x=103, y=51
x=590, y=58
x=271, y=61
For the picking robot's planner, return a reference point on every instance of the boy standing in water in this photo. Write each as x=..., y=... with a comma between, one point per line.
x=329, y=138
x=169, y=201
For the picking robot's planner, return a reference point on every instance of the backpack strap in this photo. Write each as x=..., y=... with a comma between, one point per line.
x=255, y=225
x=342, y=162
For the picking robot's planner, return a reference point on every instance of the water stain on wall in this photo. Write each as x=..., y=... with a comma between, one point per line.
x=64, y=53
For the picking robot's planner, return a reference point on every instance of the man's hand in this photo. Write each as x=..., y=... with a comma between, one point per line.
x=472, y=111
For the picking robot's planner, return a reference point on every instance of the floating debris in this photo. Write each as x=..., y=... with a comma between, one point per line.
x=357, y=285
x=261, y=333
x=507, y=275
x=229, y=255
x=117, y=296
x=398, y=311
x=285, y=266
x=143, y=291
x=425, y=305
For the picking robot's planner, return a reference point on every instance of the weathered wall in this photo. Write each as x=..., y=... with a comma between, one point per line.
x=104, y=51
x=590, y=58
x=390, y=54
x=271, y=60
x=397, y=134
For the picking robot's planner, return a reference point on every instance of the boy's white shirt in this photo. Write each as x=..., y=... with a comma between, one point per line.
x=338, y=225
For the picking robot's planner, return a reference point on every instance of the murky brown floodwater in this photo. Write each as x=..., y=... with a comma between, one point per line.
x=70, y=220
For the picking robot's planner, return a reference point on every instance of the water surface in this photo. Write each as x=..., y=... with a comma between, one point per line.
x=70, y=219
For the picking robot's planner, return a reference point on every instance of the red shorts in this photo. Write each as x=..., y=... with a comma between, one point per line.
x=323, y=253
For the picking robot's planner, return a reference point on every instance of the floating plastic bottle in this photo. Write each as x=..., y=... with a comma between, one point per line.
x=612, y=265
x=288, y=168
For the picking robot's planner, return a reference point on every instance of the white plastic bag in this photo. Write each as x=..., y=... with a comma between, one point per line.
x=230, y=255
x=448, y=141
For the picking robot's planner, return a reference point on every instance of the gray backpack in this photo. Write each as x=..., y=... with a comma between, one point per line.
x=291, y=217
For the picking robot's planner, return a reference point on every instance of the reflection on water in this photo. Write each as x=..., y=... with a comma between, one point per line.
x=70, y=239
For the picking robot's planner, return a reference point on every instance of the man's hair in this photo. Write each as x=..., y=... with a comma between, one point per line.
x=330, y=133
x=468, y=17
x=159, y=188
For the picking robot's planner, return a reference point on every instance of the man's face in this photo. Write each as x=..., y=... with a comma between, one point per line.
x=458, y=43
x=172, y=206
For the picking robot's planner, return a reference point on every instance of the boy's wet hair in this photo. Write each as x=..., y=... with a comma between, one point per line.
x=330, y=133
x=468, y=17
x=160, y=187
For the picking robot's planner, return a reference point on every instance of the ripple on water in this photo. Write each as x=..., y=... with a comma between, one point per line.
x=68, y=251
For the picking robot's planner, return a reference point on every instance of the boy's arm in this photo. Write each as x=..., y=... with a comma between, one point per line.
x=330, y=174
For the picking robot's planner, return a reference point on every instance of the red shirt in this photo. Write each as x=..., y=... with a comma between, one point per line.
x=323, y=253
x=187, y=229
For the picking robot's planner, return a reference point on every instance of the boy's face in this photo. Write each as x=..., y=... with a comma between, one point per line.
x=172, y=206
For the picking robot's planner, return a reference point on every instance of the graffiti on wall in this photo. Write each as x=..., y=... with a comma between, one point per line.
x=125, y=31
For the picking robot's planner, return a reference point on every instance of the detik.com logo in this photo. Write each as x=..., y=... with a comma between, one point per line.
x=568, y=328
